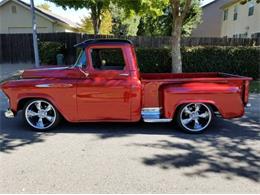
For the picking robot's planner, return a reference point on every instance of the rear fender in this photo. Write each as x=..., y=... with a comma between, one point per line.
x=226, y=98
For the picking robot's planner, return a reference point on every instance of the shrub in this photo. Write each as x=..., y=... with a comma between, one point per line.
x=49, y=50
x=244, y=61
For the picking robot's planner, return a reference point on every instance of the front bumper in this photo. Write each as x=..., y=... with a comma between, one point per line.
x=9, y=114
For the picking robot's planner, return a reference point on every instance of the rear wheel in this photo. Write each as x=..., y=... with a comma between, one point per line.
x=41, y=115
x=194, y=117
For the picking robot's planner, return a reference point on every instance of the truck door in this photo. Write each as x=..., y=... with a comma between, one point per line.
x=104, y=95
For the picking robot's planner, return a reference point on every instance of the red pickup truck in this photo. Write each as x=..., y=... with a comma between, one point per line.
x=105, y=85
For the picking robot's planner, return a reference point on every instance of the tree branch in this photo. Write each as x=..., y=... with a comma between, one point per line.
x=186, y=8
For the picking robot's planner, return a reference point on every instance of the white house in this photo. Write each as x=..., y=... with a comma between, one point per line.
x=241, y=20
x=15, y=17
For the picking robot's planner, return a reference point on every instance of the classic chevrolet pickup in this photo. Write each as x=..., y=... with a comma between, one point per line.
x=105, y=85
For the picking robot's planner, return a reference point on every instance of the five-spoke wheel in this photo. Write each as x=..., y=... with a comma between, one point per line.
x=40, y=114
x=194, y=117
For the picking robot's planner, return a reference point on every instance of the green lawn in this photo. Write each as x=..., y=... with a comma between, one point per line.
x=255, y=87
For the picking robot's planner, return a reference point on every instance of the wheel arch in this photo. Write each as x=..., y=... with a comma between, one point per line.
x=23, y=100
x=212, y=104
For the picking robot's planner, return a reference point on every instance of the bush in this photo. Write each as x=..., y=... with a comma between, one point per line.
x=49, y=50
x=243, y=61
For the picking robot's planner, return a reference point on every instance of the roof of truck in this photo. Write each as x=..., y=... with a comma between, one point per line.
x=102, y=41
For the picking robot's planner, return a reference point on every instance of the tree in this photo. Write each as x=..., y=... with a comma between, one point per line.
x=97, y=8
x=44, y=6
x=161, y=25
x=179, y=9
x=105, y=27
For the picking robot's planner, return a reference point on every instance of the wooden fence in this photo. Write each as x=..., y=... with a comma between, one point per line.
x=15, y=48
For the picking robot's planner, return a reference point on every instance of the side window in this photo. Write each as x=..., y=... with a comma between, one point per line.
x=108, y=59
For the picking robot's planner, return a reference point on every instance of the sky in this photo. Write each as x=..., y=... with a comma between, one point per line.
x=74, y=15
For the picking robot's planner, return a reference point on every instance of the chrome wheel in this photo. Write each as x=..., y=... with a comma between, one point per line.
x=195, y=117
x=40, y=114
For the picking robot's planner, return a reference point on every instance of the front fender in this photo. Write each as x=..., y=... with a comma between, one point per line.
x=62, y=94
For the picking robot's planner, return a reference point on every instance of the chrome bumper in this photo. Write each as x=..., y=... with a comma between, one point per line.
x=9, y=114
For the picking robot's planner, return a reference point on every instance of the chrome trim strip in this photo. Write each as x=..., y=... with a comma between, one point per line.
x=151, y=109
x=53, y=85
x=43, y=85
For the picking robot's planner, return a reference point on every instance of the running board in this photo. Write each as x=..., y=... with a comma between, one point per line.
x=162, y=120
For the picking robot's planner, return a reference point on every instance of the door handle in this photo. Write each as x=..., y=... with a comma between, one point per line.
x=124, y=74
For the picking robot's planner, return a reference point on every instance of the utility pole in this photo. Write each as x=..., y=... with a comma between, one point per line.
x=35, y=44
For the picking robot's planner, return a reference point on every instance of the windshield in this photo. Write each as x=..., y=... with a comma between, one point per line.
x=81, y=61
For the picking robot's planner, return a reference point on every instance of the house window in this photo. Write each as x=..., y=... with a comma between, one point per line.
x=225, y=14
x=13, y=9
x=235, y=13
x=250, y=8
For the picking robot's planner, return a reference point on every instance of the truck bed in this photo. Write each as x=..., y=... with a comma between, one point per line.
x=210, y=76
x=154, y=84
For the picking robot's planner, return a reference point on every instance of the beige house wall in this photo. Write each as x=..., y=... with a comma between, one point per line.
x=211, y=20
x=21, y=21
x=243, y=24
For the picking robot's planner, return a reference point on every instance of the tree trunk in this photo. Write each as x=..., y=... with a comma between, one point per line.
x=176, y=45
x=95, y=23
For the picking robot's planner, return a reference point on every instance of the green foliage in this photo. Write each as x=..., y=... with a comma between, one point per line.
x=97, y=8
x=123, y=24
x=162, y=24
x=86, y=25
x=255, y=87
x=78, y=4
x=244, y=61
x=49, y=50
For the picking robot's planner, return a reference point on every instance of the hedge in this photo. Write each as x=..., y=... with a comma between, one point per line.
x=49, y=50
x=235, y=60
x=243, y=61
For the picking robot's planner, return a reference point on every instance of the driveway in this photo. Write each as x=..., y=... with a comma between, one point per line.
x=131, y=158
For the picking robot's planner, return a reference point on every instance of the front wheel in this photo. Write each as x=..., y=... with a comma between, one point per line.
x=194, y=117
x=41, y=115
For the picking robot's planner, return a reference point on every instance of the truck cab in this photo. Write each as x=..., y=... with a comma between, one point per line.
x=111, y=87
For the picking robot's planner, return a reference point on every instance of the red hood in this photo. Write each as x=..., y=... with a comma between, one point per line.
x=51, y=72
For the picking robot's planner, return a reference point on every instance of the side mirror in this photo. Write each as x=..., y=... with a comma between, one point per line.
x=86, y=74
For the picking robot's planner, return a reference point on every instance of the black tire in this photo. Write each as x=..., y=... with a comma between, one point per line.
x=28, y=120
x=192, y=126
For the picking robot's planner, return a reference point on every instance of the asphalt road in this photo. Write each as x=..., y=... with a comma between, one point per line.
x=131, y=158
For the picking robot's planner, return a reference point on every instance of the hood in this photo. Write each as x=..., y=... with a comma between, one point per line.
x=49, y=72
x=15, y=76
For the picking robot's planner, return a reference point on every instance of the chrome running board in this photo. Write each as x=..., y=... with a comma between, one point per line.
x=161, y=120
x=151, y=113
